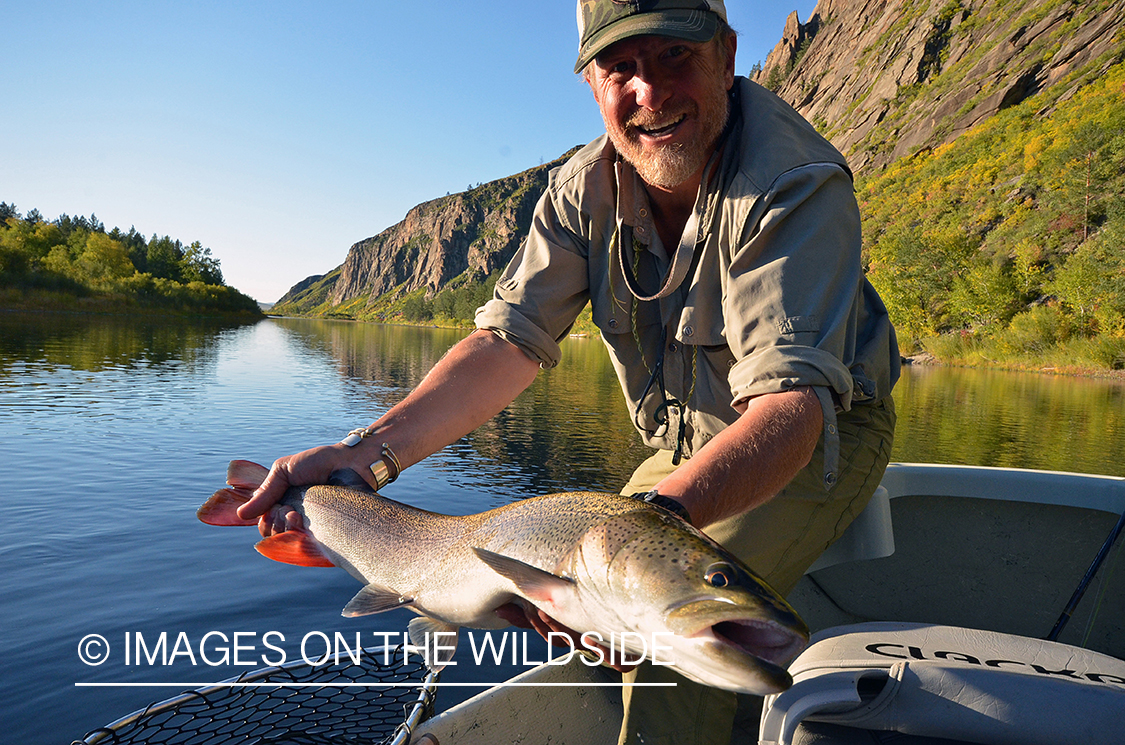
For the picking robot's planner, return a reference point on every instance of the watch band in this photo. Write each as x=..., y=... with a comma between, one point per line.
x=667, y=503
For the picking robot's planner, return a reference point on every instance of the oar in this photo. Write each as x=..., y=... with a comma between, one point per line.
x=1081, y=589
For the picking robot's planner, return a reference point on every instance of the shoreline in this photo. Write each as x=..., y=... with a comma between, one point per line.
x=139, y=312
x=921, y=359
x=925, y=359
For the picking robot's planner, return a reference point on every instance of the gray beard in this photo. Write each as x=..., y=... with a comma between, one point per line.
x=670, y=166
x=667, y=168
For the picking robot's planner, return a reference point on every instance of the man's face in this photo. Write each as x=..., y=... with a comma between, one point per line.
x=664, y=103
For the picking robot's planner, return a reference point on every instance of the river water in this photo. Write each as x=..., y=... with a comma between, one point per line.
x=114, y=430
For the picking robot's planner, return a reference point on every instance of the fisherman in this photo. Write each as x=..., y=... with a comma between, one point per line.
x=717, y=238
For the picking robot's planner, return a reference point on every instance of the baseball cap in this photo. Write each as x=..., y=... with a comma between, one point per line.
x=605, y=22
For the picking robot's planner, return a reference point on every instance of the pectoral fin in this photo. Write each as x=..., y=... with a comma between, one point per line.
x=374, y=599
x=536, y=584
x=437, y=639
x=294, y=547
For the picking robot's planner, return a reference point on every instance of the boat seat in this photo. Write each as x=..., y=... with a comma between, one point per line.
x=870, y=536
x=925, y=684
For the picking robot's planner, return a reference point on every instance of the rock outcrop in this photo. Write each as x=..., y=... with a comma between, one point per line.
x=884, y=78
x=472, y=234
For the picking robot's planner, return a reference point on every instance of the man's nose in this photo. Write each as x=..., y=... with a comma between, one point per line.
x=651, y=89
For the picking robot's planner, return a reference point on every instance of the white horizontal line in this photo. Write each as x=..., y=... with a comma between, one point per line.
x=366, y=685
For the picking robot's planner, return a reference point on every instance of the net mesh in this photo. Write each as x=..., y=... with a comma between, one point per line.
x=373, y=702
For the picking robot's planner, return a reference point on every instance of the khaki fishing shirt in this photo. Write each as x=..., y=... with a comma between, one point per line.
x=765, y=291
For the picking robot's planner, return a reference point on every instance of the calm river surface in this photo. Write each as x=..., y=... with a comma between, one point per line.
x=113, y=431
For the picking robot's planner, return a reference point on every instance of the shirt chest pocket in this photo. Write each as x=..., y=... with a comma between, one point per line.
x=704, y=328
x=612, y=317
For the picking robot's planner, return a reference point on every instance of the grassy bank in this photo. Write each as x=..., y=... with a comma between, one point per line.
x=39, y=299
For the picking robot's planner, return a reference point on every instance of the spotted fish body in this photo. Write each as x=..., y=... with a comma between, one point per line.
x=595, y=562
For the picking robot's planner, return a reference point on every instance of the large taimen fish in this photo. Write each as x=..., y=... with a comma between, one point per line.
x=600, y=563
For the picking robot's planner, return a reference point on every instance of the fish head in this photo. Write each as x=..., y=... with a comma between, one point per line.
x=714, y=619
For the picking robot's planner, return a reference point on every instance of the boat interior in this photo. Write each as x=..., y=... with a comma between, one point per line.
x=965, y=604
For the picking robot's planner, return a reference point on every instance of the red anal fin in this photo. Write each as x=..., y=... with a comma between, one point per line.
x=294, y=547
x=246, y=474
x=222, y=508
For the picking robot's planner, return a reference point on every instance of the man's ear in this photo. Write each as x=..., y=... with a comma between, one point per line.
x=588, y=75
x=728, y=72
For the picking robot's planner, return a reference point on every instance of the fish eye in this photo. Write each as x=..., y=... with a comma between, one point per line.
x=719, y=575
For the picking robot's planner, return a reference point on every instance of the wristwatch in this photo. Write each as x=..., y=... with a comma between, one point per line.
x=658, y=499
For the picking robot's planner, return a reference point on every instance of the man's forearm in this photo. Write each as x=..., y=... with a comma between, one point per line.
x=475, y=380
x=472, y=383
x=751, y=460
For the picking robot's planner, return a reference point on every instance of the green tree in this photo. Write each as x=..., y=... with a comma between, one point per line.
x=102, y=260
x=164, y=258
x=443, y=304
x=197, y=265
x=416, y=309
x=1092, y=281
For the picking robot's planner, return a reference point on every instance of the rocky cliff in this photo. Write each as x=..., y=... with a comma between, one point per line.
x=882, y=79
x=885, y=78
x=470, y=234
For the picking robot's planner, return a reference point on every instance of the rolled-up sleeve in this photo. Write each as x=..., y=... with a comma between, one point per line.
x=543, y=288
x=792, y=286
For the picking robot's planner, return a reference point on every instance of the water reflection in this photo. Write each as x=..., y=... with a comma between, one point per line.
x=390, y=356
x=568, y=431
x=94, y=342
x=1019, y=420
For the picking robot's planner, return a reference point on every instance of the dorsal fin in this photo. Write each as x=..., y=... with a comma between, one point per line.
x=245, y=474
x=349, y=478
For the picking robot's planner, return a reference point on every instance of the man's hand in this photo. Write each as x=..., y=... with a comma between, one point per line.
x=533, y=618
x=308, y=467
x=472, y=383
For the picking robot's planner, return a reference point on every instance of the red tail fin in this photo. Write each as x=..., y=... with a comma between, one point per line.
x=222, y=508
x=294, y=547
x=244, y=474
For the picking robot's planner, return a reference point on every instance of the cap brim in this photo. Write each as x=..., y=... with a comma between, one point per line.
x=689, y=25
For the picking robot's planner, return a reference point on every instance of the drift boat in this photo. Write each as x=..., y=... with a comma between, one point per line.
x=964, y=605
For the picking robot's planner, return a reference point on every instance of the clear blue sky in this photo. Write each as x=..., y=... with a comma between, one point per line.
x=279, y=133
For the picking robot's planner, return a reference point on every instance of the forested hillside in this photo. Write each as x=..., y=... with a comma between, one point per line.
x=1008, y=244
x=987, y=139
x=73, y=263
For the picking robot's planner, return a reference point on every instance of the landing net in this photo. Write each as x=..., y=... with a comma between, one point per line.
x=366, y=703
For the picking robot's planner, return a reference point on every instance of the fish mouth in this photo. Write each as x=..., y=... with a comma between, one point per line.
x=772, y=643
